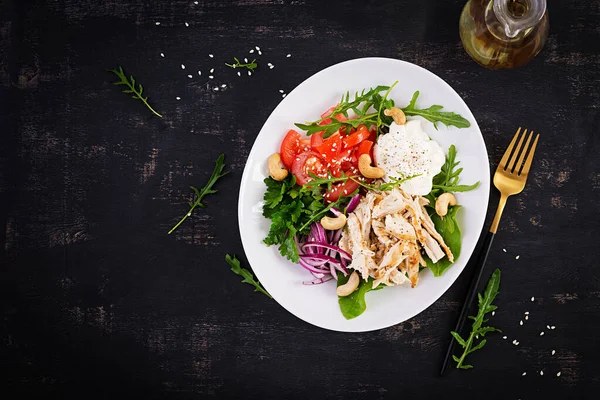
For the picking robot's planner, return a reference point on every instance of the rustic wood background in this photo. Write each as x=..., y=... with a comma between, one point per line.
x=98, y=302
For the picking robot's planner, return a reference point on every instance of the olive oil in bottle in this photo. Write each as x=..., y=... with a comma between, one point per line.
x=503, y=33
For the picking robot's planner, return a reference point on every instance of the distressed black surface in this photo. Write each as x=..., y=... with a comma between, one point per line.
x=97, y=301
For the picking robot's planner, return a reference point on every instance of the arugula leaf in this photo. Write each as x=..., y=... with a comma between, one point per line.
x=484, y=306
x=354, y=305
x=447, y=180
x=251, y=66
x=247, y=275
x=136, y=93
x=435, y=115
x=207, y=189
x=330, y=180
x=448, y=228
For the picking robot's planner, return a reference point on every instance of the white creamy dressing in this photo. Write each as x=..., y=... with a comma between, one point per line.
x=407, y=151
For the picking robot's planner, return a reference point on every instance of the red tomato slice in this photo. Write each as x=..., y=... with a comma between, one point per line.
x=330, y=148
x=289, y=148
x=373, y=135
x=306, y=163
x=340, y=189
x=339, y=117
x=355, y=138
x=364, y=148
x=316, y=139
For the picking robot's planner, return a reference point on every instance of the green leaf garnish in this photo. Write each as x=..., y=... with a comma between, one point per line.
x=251, y=66
x=247, y=275
x=136, y=93
x=354, y=304
x=435, y=115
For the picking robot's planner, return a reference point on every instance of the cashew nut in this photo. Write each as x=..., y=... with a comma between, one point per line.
x=397, y=114
x=349, y=287
x=275, y=170
x=333, y=224
x=365, y=168
x=442, y=203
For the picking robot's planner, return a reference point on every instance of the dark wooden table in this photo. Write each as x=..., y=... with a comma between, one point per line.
x=97, y=301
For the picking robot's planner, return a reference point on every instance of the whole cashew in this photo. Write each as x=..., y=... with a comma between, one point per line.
x=275, y=169
x=349, y=287
x=397, y=114
x=333, y=224
x=365, y=168
x=442, y=203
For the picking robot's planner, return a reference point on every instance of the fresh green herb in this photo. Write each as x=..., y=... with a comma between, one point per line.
x=292, y=209
x=251, y=66
x=368, y=108
x=477, y=330
x=448, y=228
x=434, y=114
x=130, y=83
x=207, y=189
x=247, y=275
x=447, y=179
x=354, y=305
x=330, y=180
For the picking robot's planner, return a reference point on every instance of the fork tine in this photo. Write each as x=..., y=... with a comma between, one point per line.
x=523, y=153
x=504, y=161
x=527, y=165
x=515, y=155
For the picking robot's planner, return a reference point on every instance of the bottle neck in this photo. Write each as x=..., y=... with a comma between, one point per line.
x=518, y=15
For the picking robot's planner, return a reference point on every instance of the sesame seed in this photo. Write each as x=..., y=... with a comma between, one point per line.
x=493, y=313
x=199, y=72
x=504, y=337
x=239, y=73
x=186, y=24
x=289, y=55
x=260, y=53
x=249, y=73
x=271, y=66
x=514, y=341
x=257, y=48
x=541, y=372
x=532, y=298
x=182, y=66
x=517, y=257
x=251, y=51
x=504, y=250
x=223, y=86
x=245, y=60
x=157, y=23
x=211, y=56
x=189, y=214
x=526, y=312
x=553, y=352
x=283, y=95
x=212, y=70
x=553, y=327
x=189, y=76
x=558, y=373
x=280, y=91
x=526, y=317
x=178, y=98
x=548, y=326
x=210, y=77
x=521, y=322
x=216, y=89
x=196, y=2
x=524, y=373
x=297, y=158
x=162, y=55
x=542, y=333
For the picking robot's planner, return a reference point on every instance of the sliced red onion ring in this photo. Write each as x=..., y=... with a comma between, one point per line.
x=343, y=253
x=353, y=203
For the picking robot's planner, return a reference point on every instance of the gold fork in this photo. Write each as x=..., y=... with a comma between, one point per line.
x=510, y=178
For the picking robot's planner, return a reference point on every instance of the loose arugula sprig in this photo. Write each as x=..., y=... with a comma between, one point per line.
x=330, y=180
x=251, y=66
x=207, y=189
x=247, y=275
x=447, y=179
x=368, y=108
x=130, y=83
x=485, y=306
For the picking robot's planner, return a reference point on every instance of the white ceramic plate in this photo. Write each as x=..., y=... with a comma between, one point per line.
x=318, y=304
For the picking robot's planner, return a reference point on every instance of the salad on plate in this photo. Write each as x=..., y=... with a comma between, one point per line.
x=365, y=197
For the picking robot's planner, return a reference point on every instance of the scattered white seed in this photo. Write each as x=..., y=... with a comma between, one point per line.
x=211, y=56
x=504, y=250
x=189, y=76
x=199, y=72
x=196, y=3
x=216, y=89
x=257, y=48
x=558, y=373
x=212, y=70
x=521, y=322
x=251, y=51
x=260, y=53
x=280, y=91
x=186, y=24
x=542, y=333
x=532, y=298
x=283, y=95
x=526, y=317
x=182, y=66
x=524, y=373
x=223, y=86
x=553, y=327
x=553, y=352
x=178, y=98
x=249, y=73
x=289, y=55
x=157, y=23
x=493, y=313
x=162, y=55
x=548, y=326
x=271, y=66
x=541, y=372
x=514, y=341
x=245, y=60
x=476, y=336
x=526, y=312
x=210, y=77
x=239, y=73
x=517, y=257
x=189, y=214
x=504, y=337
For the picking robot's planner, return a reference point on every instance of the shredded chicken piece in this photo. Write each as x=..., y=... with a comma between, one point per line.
x=388, y=233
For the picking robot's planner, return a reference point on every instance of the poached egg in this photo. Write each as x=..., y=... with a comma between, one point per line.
x=408, y=151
